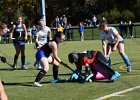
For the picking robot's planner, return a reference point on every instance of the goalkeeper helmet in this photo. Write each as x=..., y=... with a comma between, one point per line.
x=73, y=57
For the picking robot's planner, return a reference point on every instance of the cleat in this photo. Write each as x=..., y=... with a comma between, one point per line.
x=37, y=84
x=24, y=67
x=115, y=77
x=14, y=66
x=39, y=68
x=55, y=80
x=129, y=69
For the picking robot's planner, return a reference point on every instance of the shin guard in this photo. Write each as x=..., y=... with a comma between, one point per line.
x=40, y=75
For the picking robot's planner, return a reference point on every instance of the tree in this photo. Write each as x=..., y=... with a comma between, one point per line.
x=127, y=15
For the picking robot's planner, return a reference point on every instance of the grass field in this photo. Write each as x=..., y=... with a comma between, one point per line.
x=18, y=83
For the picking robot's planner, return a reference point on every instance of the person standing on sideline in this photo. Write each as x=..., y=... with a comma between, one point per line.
x=69, y=32
x=42, y=37
x=130, y=26
x=81, y=31
x=125, y=30
x=57, y=21
x=115, y=41
x=94, y=20
x=121, y=28
x=29, y=35
x=19, y=35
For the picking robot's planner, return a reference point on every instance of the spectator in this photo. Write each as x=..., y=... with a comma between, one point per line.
x=94, y=20
x=69, y=32
x=60, y=28
x=81, y=31
x=57, y=21
x=64, y=20
x=130, y=25
x=121, y=28
x=125, y=30
x=61, y=21
x=33, y=31
x=29, y=35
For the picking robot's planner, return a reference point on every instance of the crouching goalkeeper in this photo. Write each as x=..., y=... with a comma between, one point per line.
x=95, y=64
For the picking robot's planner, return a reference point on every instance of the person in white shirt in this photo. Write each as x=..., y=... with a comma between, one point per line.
x=29, y=35
x=115, y=41
x=94, y=19
x=42, y=37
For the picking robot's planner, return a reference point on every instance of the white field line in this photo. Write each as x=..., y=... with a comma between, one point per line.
x=117, y=93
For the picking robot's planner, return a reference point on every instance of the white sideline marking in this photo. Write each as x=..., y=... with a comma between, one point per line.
x=117, y=93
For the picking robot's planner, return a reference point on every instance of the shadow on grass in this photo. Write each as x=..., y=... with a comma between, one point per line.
x=30, y=84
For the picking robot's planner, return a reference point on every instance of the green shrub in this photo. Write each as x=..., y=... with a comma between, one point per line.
x=127, y=15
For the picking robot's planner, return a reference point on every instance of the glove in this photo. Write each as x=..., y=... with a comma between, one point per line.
x=3, y=59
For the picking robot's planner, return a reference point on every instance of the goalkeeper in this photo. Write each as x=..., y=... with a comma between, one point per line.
x=95, y=64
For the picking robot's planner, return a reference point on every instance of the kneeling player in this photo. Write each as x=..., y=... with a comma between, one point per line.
x=95, y=63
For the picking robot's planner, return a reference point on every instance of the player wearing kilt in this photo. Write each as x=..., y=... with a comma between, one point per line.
x=48, y=54
x=115, y=41
x=19, y=35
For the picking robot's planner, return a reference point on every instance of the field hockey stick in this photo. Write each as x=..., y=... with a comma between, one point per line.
x=85, y=79
x=8, y=63
x=73, y=70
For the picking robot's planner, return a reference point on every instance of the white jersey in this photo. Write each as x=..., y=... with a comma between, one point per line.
x=42, y=35
x=111, y=36
x=29, y=31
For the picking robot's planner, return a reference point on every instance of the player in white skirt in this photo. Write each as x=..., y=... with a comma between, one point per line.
x=115, y=41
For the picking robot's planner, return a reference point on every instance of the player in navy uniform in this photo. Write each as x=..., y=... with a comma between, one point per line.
x=19, y=35
x=48, y=54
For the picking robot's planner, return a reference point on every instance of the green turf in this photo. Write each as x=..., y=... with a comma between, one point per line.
x=19, y=82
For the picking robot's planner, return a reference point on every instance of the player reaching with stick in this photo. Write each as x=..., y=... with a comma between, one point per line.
x=115, y=41
x=48, y=54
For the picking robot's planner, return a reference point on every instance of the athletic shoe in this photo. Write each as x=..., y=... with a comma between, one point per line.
x=115, y=77
x=129, y=69
x=24, y=67
x=39, y=68
x=55, y=80
x=37, y=84
x=14, y=66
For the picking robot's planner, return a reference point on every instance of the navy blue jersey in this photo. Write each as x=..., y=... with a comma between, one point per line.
x=19, y=31
x=46, y=48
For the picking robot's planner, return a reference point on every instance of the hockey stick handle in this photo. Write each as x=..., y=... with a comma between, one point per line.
x=8, y=64
x=73, y=70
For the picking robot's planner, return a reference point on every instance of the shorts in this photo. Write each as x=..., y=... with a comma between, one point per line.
x=39, y=55
x=20, y=43
x=112, y=45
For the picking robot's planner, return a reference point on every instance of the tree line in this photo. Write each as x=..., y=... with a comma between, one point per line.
x=75, y=10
